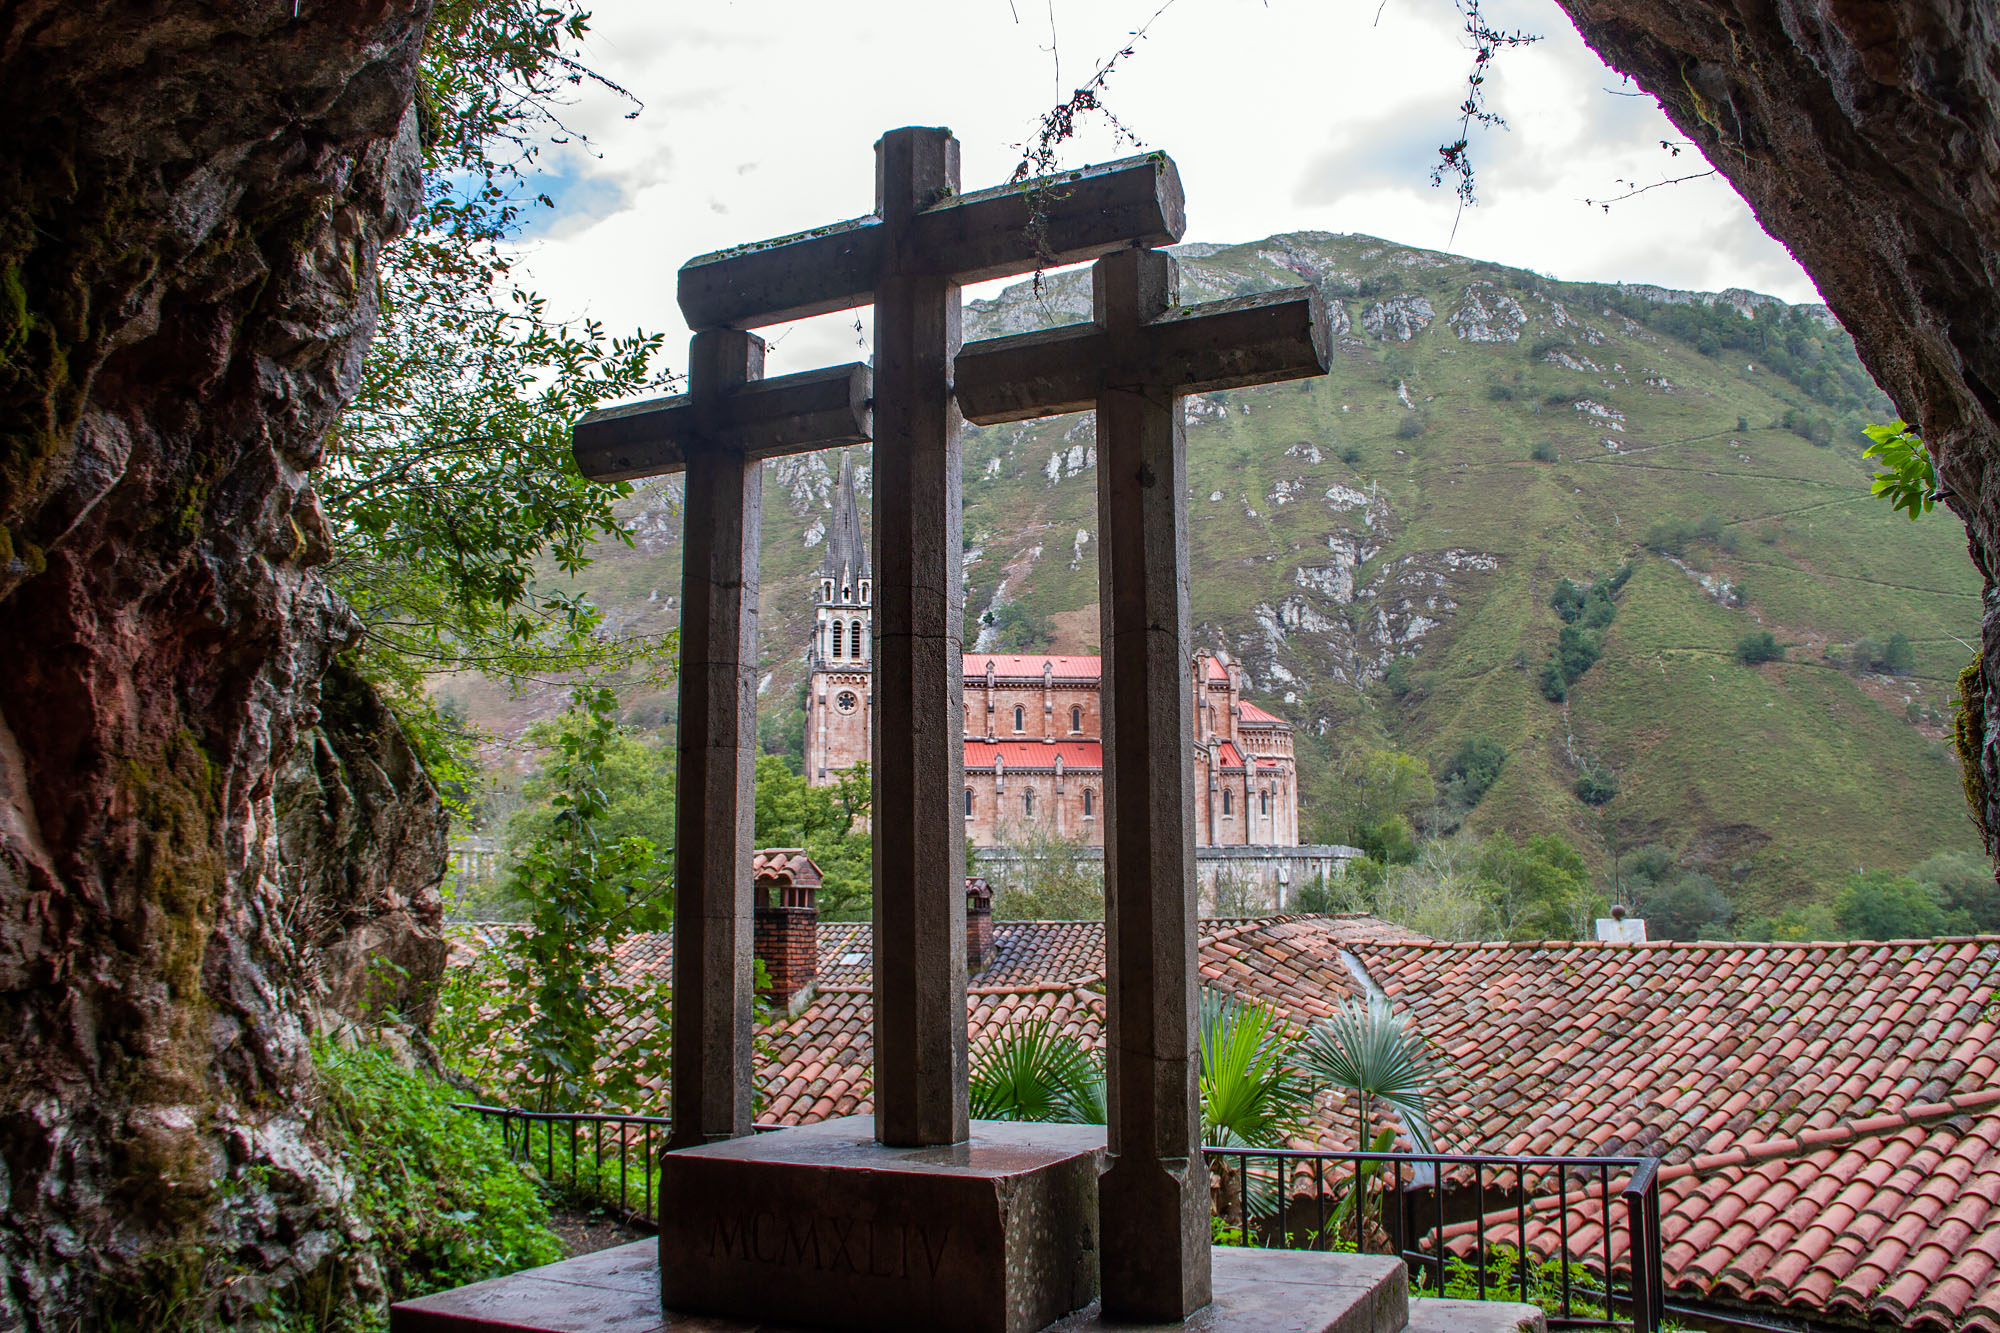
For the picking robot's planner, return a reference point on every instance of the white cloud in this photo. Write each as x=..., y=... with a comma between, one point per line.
x=1296, y=114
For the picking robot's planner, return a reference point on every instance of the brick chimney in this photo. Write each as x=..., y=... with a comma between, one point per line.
x=785, y=928
x=978, y=926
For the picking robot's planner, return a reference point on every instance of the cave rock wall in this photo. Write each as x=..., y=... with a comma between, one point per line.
x=192, y=200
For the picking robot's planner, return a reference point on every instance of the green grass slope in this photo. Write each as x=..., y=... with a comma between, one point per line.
x=1485, y=433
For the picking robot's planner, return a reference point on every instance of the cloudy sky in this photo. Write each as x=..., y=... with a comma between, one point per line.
x=1283, y=115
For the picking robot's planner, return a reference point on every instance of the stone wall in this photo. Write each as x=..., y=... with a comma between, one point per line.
x=1266, y=879
x=192, y=199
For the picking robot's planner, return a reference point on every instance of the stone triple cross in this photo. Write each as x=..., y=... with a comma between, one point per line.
x=1132, y=364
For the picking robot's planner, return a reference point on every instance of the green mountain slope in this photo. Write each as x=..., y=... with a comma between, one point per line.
x=1484, y=434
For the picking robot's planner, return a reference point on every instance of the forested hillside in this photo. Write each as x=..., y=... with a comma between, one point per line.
x=1387, y=550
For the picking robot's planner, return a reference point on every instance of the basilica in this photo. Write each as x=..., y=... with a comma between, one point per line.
x=1034, y=762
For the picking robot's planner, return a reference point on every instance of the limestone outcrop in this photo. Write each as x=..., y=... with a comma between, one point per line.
x=1866, y=137
x=192, y=199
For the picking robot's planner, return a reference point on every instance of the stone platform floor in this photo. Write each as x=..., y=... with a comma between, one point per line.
x=618, y=1291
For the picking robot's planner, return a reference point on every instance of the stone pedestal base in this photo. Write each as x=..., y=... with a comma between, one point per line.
x=825, y=1227
x=1256, y=1291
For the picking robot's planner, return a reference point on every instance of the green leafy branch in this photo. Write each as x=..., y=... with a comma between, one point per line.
x=1907, y=478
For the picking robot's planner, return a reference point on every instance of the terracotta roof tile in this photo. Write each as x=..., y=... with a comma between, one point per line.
x=1027, y=756
x=1828, y=1113
x=1028, y=666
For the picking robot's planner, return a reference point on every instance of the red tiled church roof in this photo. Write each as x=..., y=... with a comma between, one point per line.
x=1023, y=666
x=1077, y=756
x=1252, y=715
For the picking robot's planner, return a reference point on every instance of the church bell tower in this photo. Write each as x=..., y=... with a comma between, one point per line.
x=840, y=683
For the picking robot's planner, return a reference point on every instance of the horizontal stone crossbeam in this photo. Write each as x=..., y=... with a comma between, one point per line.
x=793, y=414
x=1064, y=219
x=1261, y=339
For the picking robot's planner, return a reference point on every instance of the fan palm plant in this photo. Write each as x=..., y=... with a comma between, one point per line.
x=1377, y=1054
x=1036, y=1071
x=1251, y=1096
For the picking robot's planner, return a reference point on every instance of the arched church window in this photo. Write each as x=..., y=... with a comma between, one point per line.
x=1228, y=801
x=854, y=638
x=1028, y=801
x=1264, y=802
x=1076, y=719
x=1020, y=718
x=1089, y=803
x=836, y=638
x=968, y=802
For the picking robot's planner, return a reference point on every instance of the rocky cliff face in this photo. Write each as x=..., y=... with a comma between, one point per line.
x=1867, y=138
x=192, y=199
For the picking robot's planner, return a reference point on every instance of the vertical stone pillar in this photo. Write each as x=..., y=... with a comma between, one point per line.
x=718, y=746
x=1155, y=1191
x=918, y=726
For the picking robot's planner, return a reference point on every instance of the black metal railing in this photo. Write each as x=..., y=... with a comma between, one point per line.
x=1578, y=1236
x=592, y=1156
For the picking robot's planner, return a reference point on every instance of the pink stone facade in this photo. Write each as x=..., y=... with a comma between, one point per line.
x=1034, y=725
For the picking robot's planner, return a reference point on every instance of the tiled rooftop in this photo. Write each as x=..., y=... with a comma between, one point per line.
x=1828, y=1115
x=1078, y=756
x=1025, y=666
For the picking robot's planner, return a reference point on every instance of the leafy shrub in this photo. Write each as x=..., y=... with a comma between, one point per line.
x=1760, y=647
x=1567, y=601
x=1809, y=427
x=1017, y=629
x=434, y=1184
x=1577, y=650
x=1895, y=656
x=1544, y=452
x=1473, y=769
x=1410, y=427
x=1964, y=883
x=1500, y=393
x=1390, y=841
x=1598, y=612
x=1400, y=677
x=1351, y=455
x=1670, y=536
x=1688, y=906
x=1596, y=785
x=1555, y=686
x=1881, y=906
x=1673, y=536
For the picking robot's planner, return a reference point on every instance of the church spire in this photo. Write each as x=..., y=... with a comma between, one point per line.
x=846, y=550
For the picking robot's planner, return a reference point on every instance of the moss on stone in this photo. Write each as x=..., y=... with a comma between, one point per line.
x=1968, y=734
